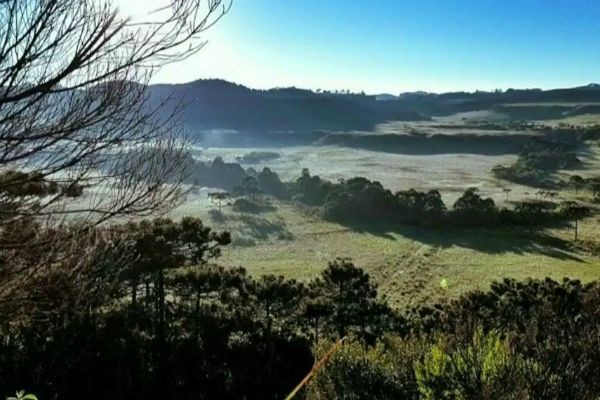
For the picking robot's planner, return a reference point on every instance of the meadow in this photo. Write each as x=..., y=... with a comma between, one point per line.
x=451, y=174
x=411, y=265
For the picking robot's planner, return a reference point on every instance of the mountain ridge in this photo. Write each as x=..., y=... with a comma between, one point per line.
x=220, y=104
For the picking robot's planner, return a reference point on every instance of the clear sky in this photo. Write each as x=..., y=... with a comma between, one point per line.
x=399, y=45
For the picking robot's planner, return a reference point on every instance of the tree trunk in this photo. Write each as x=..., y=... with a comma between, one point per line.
x=316, y=338
x=160, y=295
x=160, y=378
x=147, y=293
x=134, y=287
x=197, y=317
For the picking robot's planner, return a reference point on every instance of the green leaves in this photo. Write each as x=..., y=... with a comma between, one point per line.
x=21, y=395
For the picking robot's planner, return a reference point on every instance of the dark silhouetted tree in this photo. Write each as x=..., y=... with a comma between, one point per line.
x=577, y=182
x=348, y=293
x=219, y=197
x=575, y=211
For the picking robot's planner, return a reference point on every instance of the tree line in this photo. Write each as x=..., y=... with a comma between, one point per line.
x=360, y=200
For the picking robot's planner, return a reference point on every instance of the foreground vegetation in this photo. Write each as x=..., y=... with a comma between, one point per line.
x=172, y=325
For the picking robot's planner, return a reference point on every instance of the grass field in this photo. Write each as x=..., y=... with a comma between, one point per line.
x=451, y=174
x=581, y=120
x=407, y=263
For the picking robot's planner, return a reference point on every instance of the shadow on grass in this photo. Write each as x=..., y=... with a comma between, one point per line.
x=263, y=228
x=486, y=240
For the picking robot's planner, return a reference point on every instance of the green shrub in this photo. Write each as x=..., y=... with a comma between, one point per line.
x=480, y=367
x=383, y=371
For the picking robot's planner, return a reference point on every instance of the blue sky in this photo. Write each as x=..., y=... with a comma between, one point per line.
x=393, y=45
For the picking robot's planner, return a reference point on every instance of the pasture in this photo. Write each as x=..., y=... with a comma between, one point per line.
x=408, y=263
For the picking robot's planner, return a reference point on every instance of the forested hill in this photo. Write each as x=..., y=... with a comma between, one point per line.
x=218, y=104
x=517, y=103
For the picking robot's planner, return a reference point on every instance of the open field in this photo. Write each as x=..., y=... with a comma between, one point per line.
x=407, y=263
x=473, y=123
x=580, y=120
x=553, y=104
x=451, y=174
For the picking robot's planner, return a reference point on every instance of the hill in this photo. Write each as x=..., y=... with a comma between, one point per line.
x=218, y=104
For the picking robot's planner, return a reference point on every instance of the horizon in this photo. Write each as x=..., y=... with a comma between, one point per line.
x=397, y=47
x=589, y=84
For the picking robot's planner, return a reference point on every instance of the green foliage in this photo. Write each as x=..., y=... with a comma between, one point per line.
x=21, y=395
x=538, y=160
x=575, y=212
x=471, y=209
x=269, y=183
x=311, y=190
x=247, y=188
x=479, y=368
x=215, y=174
x=343, y=300
x=576, y=181
x=356, y=200
x=227, y=335
x=554, y=325
x=356, y=372
x=219, y=197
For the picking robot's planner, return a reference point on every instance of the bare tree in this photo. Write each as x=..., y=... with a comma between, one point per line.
x=81, y=138
x=74, y=105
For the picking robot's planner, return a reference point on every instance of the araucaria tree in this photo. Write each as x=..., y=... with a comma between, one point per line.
x=79, y=133
x=575, y=211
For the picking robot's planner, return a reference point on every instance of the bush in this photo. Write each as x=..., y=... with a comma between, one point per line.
x=537, y=161
x=269, y=183
x=243, y=241
x=255, y=157
x=381, y=372
x=252, y=207
x=482, y=367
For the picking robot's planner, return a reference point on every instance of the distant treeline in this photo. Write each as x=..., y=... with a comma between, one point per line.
x=454, y=102
x=542, y=156
x=431, y=144
x=230, y=176
x=360, y=200
x=217, y=104
x=546, y=138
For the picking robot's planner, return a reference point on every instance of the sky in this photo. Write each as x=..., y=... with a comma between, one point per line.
x=392, y=46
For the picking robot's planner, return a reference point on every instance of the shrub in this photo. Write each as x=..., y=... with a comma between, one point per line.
x=255, y=157
x=481, y=367
x=252, y=207
x=381, y=372
x=243, y=241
